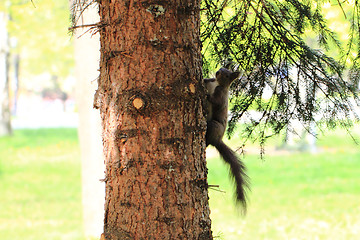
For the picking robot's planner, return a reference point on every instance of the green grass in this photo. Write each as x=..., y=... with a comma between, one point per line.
x=40, y=196
x=294, y=196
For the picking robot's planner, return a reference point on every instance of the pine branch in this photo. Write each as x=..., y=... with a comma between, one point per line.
x=265, y=38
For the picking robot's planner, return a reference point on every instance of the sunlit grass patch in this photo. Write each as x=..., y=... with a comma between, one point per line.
x=293, y=195
x=40, y=185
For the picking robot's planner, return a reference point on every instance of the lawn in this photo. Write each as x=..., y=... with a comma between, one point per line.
x=293, y=196
x=40, y=190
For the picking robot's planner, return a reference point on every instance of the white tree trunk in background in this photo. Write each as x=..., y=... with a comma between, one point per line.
x=93, y=190
x=5, y=125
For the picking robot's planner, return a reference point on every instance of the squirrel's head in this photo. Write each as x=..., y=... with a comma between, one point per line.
x=225, y=76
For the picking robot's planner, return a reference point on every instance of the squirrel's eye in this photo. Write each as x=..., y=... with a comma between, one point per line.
x=217, y=74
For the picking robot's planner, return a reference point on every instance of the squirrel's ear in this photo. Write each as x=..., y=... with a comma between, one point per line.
x=234, y=75
x=206, y=80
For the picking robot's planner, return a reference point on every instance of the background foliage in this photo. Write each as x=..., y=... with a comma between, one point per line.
x=39, y=34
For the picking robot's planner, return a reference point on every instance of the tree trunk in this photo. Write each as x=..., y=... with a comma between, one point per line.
x=87, y=55
x=150, y=98
x=5, y=116
x=16, y=62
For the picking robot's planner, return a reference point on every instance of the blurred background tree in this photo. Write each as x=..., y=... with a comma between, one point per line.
x=40, y=29
x=41, y=51
x=5, y=124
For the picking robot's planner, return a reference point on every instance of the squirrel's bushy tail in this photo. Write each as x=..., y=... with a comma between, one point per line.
x=237, y=169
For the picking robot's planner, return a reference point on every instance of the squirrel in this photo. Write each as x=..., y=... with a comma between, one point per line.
x=217, y=114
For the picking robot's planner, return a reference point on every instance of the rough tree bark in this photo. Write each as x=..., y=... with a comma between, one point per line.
x=150, y=99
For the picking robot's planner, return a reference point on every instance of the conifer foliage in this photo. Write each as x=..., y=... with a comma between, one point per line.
x=266, y=41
